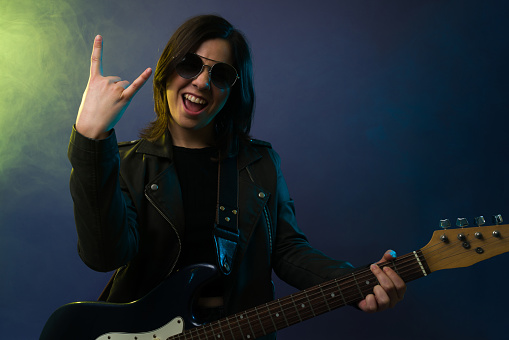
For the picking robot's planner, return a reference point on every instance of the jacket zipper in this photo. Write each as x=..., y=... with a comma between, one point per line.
x=173, y=227
x=269, y=227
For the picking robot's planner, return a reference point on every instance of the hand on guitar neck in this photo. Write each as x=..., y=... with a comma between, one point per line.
x=388, y=292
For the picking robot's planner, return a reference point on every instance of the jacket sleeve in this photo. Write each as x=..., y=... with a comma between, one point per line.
x=105, y=219
x=295, y=261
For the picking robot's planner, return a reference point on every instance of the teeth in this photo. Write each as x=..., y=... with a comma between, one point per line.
x=193, y=99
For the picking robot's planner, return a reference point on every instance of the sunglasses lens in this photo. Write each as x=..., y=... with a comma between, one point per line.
x=189, y=67
x=223, y=75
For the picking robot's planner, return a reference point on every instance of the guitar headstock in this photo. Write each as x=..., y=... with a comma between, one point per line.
x=464, y=246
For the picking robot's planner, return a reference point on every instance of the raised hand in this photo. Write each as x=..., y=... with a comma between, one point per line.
x=106, y=98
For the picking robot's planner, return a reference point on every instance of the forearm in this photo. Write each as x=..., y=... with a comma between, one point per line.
x=302, y=266
x=107, y=233
x=295, y=260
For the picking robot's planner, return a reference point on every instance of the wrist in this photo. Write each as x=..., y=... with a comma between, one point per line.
x=91, y=132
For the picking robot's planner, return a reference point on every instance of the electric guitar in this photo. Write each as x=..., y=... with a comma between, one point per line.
x=166, y=312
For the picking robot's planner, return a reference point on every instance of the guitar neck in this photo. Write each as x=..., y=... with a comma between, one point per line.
x=306, y=304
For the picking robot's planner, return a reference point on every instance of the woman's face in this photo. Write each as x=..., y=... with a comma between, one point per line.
x=194, y=103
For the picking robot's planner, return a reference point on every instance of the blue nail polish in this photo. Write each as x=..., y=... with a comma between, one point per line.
x=393, y=253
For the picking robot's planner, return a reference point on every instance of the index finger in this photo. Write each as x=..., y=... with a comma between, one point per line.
x=96, y=67
x=137, y=84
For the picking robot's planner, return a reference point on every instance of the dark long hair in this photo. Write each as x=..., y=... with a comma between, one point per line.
x=233, y=122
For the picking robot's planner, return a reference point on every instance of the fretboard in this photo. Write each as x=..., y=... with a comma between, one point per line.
x=306, y=304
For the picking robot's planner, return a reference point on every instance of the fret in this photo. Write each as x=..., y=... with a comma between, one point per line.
x=296, y=309
x=198, y=335
x=357, y=284
x=270, y=315
x=230, y=327
x=393, y=263
x=260, y=320
x=190, y=334
x=251, y=328
x=277, y=315
x=324, y=298
x=239, y=324
x=310, y=305
x=221, y=330
x=208, y=332
x=283, y=313
x=302, y=306
x=319, y=305
x=340, y=292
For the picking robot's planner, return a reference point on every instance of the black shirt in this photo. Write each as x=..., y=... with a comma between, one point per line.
x=197, y=172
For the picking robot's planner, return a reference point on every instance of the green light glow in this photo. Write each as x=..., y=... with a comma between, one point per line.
x=44, y=69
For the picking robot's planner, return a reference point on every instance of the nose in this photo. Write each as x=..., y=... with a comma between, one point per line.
x=202, y=81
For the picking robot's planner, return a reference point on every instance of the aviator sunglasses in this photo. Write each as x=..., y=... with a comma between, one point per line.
x=222, y=75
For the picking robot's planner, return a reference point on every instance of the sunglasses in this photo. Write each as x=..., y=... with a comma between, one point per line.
x=222, y=75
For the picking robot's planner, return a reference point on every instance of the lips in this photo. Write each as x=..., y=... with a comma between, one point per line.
x=193, y=104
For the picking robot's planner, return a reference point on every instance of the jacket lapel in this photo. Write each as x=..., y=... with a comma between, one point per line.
x=163, y=187
x=252, y=198
x=164, y=192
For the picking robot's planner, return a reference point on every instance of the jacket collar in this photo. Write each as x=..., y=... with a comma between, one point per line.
x=163, y=147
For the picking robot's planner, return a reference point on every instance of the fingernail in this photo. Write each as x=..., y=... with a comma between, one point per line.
x=393, y=253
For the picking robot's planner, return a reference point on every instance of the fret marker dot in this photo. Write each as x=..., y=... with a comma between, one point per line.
x=367, y=282
x=219, y=336
x=332, y=295
x=302, y=305
x=249, y=336
x=242, y=316
x=277, y=315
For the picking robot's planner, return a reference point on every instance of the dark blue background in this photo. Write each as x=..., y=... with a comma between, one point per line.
x=388, y=116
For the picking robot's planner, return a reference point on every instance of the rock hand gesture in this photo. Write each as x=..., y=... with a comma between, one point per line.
x=106, y=98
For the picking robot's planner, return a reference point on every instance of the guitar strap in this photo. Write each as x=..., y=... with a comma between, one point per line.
x=226, y=231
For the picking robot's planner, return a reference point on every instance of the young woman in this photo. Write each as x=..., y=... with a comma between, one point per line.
x=151, y=207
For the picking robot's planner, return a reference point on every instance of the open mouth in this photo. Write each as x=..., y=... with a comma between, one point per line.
x=194, y=104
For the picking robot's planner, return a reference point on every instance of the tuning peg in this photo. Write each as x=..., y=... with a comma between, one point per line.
x=461, y=222
x=479, y=221
x=497, y=219
x=445, y=223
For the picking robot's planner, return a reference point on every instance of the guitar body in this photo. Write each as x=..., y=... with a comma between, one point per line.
x=164, y=312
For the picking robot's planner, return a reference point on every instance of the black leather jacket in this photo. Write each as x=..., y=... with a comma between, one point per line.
x=129, y=218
